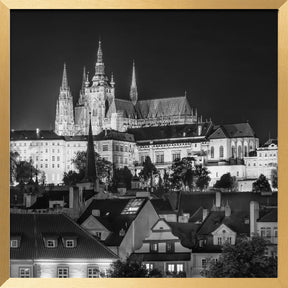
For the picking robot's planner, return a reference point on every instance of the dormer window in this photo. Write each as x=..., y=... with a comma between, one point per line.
x=14, y=244
x=69, y=244
x=51, y=243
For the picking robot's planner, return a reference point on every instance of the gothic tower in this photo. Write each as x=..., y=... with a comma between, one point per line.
x=94, y=99
x=64, y=122
x=133, y=87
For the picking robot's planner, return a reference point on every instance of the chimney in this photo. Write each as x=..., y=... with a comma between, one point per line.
x=205, y=214
x=199, y=129
x=96, y=212
x=71, y=197
x=218, y=199
x=254, y=216
x=227, y=209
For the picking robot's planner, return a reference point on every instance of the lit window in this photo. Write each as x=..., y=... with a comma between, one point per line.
x=105, y=147
x=171, y=267
x=133, y=206
x=121, y=148
x=221, y=151
x=93, y=272
x=63, y=272
x=154, y=247
x=24, y=272
x=149, y=266
x=14, y=243
x=160, y=158
x=180, y=268
x=126, y=148
x=69, y=244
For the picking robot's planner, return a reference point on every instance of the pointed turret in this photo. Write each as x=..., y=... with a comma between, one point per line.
x=133, y=88
x=99, y=67
x=91, y=171
x=83, y=80
x=64, y=85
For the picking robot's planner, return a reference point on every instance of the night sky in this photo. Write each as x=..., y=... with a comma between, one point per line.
x=225, y=60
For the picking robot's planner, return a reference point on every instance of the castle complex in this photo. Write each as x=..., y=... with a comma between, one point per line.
x=97, y=98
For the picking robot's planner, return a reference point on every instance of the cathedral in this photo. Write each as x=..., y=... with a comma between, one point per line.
x=97, y=100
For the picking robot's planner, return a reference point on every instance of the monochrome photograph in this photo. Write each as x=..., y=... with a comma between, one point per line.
x=143, y=144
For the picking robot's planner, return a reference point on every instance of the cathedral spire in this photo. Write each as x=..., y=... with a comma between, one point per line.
x=91, y=171
x=64, y=85
x=83, y=81
x=133, y=88
x=99, y=67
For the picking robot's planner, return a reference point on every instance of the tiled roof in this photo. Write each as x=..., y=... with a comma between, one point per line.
x=162, y=206
x=32, y=135
x=232, y=131
x=238, y=201
x=170, y=132
x=160, y=257
x=32, y=227
x=163, y=107
x=111, y=217
x=270, y=216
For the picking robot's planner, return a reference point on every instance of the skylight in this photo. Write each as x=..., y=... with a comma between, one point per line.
x=133, y=206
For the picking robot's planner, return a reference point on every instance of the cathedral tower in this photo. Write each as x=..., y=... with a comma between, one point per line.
x=133, y=87
x=64, y=122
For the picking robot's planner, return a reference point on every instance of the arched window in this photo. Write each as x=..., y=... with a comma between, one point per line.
x=239, y=152
x=245, y=151
x=233, y=152
x=221, y=151
x=212, y=152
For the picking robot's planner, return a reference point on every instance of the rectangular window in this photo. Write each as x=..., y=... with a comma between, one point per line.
x=149, y=266
x=204, y=262
x=229, y=240
x=14, y=243
x=105, y=147
x=170, y=247
x=51, y=243
x=69, y=244
x=176, y=156
x=268, y=232
x=219, y=240
x=117, y=147
x=126, y=148
x=159, y=158
x=262, y=232
x=171, y=267
x=53, y=158
x=93, y=272
x=63, y=272
x=121, y=148
x=24, y=272
x=180, y=268
x=58, y=158
x=154, y=247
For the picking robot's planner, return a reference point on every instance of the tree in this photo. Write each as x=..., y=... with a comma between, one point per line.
x=226, y=181
x=274, y=178
x=131, y=269
x=25, y=171
x=70, y=178
x=182, y=173
x=103, y=166
x=121, y=175
x=261, y=184
x=244, y=259
x=202, y=176
x=13, y=165
x=148, y=171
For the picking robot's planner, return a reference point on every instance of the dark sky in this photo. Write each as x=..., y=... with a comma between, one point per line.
x=225, y=60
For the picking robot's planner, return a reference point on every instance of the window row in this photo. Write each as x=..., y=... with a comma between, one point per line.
x=169, y=246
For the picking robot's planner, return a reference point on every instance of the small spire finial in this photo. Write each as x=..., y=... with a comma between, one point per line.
x=133, y=87
x=64, y=84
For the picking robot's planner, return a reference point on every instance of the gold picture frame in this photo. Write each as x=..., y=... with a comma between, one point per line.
x=6, y=5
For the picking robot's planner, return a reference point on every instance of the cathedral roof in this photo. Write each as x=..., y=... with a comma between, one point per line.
x=163, y=107
x=153, y=108
x=33, y=135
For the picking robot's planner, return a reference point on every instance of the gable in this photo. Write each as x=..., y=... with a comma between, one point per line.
x=222, y=228
x=218, y=134
x=91, y=223
x=161, y=225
